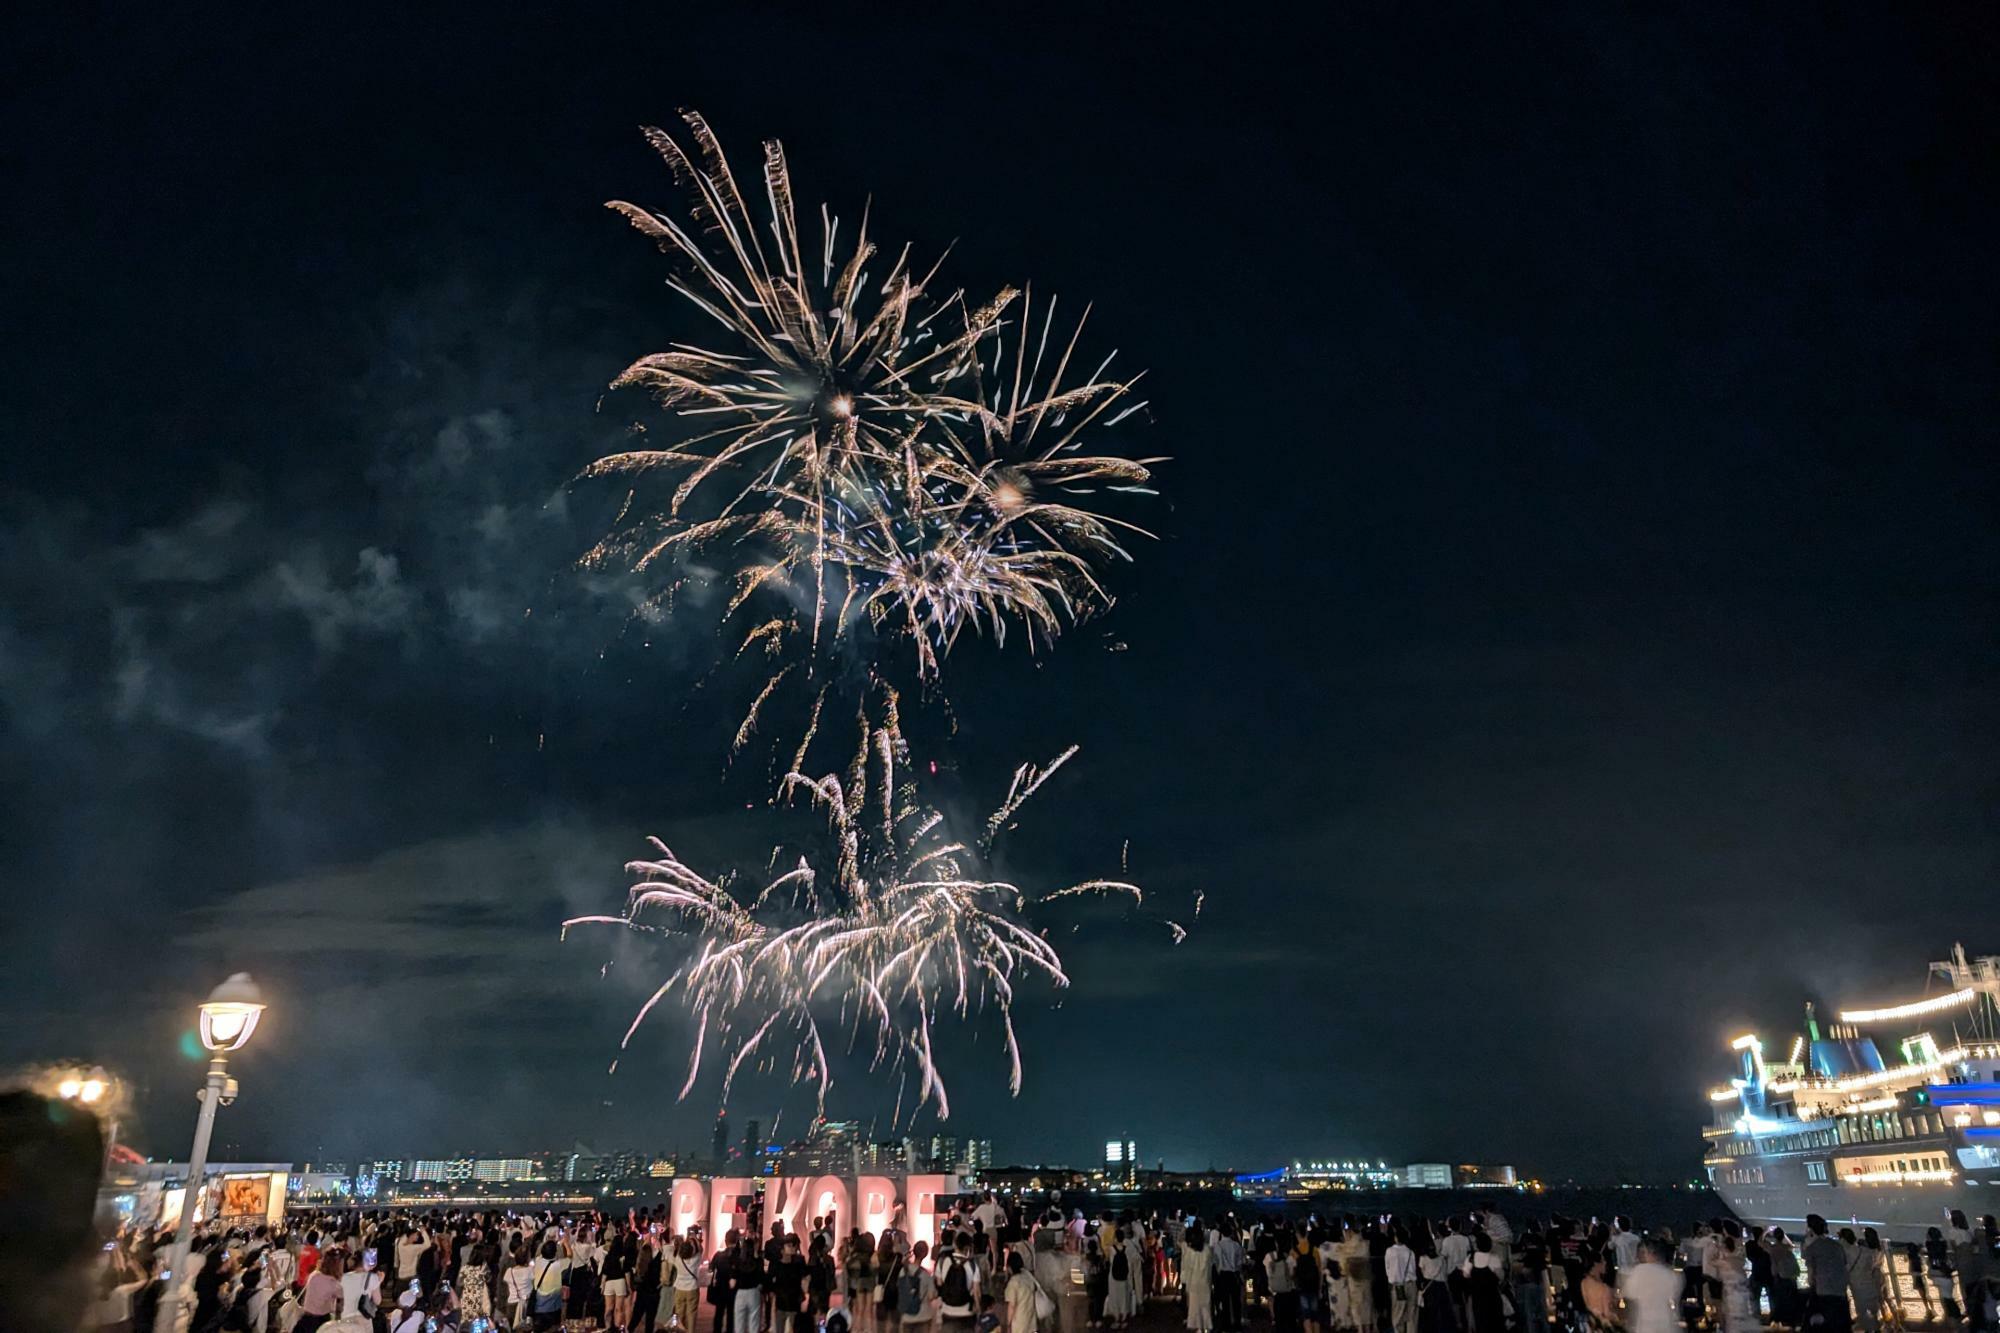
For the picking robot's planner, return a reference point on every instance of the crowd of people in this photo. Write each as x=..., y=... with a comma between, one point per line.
x=1046, y=1271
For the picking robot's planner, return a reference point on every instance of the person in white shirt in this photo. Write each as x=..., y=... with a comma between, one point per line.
x=957, y=1316
x=1399, y=1265
x=519, y=1282
x=1624, y=1243
x=1652, y=1292
x=410, y=1249
x=1454, y=1246
x=1020, y=1293
x=1197, y=1279
x=410, y=1316
x=359, y=1286
x=547, y=1276
x=989, y=1214
x=281, y=1268
x=683, y=1288
x=1228, y=1278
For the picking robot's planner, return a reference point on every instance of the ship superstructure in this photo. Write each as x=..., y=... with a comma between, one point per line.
x=1863, y=1138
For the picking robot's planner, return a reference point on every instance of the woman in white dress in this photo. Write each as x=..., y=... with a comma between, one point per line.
x=1197, y=1272
x=1727, y=1266
x=1864, y=1279
x=1356, y=1280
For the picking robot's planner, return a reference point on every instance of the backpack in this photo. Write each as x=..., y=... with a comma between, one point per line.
x=910, y=1294
x=1121, y=1267
x=955, y=1289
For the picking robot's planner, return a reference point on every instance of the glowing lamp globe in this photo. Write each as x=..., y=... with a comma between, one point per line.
x=229, y=1015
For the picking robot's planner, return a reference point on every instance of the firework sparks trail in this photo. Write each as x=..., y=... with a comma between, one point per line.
x=905, y=931
x=877, y=451
x=880, y=463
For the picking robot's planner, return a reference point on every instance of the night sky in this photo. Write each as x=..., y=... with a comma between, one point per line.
x=1571, y=635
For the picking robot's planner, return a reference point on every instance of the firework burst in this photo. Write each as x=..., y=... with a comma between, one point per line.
x=878, y=462
x=863, y=446
x=898, y=927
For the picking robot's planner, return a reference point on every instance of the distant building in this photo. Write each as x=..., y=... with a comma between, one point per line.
x=319, y=1186
x=447, y=1170
x=1121, y=1161
x=830, y=1148
x=892, y=1155
x=1488, y=1176
x=1427, y=1176
x=1034, y=1179
x=627, y=1165
x=496, y=1169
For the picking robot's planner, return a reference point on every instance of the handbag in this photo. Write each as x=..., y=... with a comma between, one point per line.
x=1045, y=1304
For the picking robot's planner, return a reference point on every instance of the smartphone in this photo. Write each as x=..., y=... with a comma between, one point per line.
x=368, y=1257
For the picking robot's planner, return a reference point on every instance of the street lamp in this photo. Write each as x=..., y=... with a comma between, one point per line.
x=86, y=1086
x=97, y=1090
x=230, y=1014
x=228, y=1017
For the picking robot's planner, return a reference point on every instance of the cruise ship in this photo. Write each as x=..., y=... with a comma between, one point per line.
x=1863, y=1138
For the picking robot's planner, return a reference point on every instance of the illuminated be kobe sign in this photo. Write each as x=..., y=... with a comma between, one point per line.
x=866, y=1203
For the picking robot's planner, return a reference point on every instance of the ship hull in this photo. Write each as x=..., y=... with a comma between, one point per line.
x=1783, y=1188
x=1899, y=1213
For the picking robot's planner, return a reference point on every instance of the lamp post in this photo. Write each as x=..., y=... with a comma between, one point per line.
x=228, y=1017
